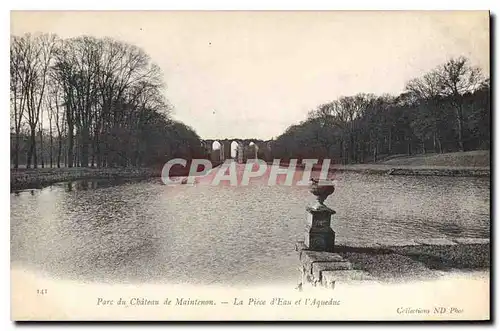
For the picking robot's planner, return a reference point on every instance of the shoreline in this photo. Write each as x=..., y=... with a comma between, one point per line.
x=405, y=170
x=392, y=261
x=43, y=177
x=22, y=179
x=462, y=253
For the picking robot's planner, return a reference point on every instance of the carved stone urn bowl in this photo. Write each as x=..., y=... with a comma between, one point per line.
x=321, y=188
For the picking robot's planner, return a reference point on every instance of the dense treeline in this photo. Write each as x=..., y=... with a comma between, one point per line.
x=89, y=101
x=446, y=110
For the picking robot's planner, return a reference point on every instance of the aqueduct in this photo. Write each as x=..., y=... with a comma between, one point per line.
x=237, y=149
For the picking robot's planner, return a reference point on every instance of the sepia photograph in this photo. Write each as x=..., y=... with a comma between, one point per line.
x=250, y=165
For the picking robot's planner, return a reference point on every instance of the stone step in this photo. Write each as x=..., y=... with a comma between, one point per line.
x=300, y=246
x=472, y=240
x=308, y=258
x=331, y=278
x=356, y=243
x=397, y=242
x=387, y=243
x=319, y=267
x=436, y=242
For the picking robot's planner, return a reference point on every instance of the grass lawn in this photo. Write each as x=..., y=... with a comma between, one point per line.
x=457, y=159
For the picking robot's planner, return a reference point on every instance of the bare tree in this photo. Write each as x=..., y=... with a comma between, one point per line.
x=17, y=90
x=37, y=52
x=427, y=91
x=458, y=77
x=103, y=95
x=52, y=102
x=50, y=114
x=40, y=131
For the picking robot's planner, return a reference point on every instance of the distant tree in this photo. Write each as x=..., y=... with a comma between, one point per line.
x=426, y=100
x=17, y=91
x=458, y=77
x=104, y=97
x=367, y=128
x=36, y=53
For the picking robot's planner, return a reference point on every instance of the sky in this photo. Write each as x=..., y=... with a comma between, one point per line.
x=252, y=74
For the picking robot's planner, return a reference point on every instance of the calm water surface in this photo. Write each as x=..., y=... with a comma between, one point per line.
x=145, y=231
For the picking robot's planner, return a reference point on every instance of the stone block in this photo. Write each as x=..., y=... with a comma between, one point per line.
x=397, y=242
x=300, y=246
x=356, y=243
x=330, y=278
x=318, y=220
x=319, y=267
x=320, y=239
x=472, y=240
x=307, y=259
x=436, y=242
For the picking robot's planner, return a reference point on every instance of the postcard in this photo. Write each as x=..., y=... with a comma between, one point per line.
x=250, y=165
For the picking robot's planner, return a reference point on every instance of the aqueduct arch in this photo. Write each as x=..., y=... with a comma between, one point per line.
x=259, y=149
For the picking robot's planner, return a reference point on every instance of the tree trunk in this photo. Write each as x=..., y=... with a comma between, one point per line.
x=70, y=147
x=51, y=141
x=92, y=161
x=66, y=159
x=84, y=147
x=375, y=151
x=434, y=142
x=460, y=128
x=362, y=151
x=32, y=151
x=41, y=147
x=76, y=153
x=59, y=150
x=390, y=141
x=16, y=152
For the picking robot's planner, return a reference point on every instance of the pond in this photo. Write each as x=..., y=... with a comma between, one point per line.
x=144, y=231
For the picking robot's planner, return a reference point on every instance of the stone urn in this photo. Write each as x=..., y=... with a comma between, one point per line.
x=319, y=236
x=321, y=188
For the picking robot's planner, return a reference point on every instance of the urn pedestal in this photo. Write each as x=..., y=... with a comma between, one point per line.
x=319, y=236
